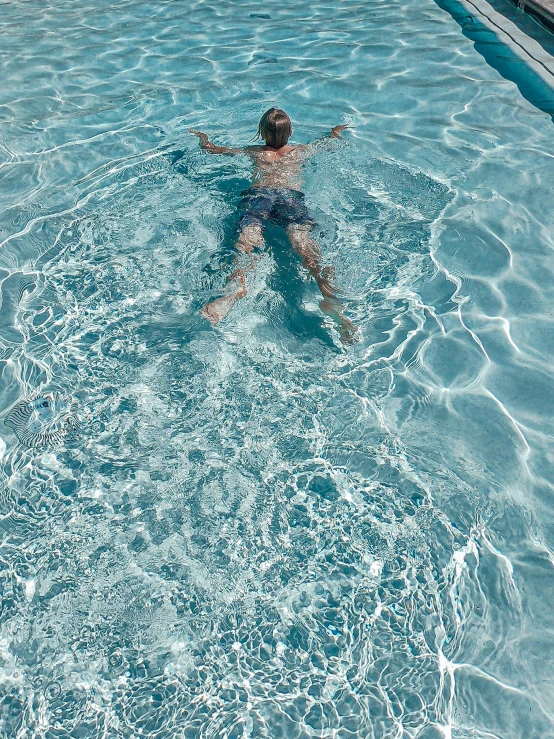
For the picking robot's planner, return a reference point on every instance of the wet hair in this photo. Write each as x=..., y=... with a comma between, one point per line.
x=275, y=128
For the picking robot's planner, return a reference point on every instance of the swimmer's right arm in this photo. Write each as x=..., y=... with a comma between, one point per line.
x=207, y=145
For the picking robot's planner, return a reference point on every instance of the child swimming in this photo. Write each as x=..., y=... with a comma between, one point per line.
x=275, y=196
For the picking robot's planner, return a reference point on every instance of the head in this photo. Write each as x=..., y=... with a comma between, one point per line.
x=275, y=128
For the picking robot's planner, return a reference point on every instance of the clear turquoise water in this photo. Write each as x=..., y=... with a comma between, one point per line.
x=248, y=531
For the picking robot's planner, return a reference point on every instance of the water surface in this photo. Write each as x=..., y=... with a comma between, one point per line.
x=249, y=531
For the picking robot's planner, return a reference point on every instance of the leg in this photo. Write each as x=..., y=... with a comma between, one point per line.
x=250, y=237
x=310, y=254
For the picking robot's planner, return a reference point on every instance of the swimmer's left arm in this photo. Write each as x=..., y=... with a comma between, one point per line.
x=334, y=133
x=207, y=145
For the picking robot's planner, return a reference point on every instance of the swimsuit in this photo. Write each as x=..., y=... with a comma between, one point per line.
x=280, y=205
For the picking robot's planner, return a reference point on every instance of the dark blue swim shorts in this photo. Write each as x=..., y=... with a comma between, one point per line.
x=280, y=205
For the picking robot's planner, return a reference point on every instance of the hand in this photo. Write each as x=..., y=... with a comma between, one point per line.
x=202, y=136
x=336, y=131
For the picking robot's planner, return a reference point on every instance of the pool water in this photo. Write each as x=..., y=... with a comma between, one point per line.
x=250, y=530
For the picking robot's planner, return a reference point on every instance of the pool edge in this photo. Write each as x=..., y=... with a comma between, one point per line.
x=541, y=9
x=525, y=47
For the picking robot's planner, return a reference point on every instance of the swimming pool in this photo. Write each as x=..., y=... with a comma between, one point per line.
x=249, y=530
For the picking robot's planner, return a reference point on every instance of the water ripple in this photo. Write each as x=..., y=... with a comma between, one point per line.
x=256, y=533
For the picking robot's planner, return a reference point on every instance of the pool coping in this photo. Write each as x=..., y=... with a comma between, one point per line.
x=525, y=47
x=542, y=9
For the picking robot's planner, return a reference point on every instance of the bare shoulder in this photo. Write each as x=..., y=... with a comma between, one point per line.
x=304, y=150
x=266, y=154
x=254, y=150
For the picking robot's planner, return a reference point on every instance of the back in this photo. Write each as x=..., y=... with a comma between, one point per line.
x=277, y=167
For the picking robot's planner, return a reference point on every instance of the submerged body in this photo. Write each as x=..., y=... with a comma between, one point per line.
x=275, y=193
x=275, y=196
x=278, y=168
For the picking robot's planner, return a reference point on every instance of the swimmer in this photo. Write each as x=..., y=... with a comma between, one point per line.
x=275, y=196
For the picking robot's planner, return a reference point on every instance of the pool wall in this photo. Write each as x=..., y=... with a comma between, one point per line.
x=525, y=47
x=541, y=9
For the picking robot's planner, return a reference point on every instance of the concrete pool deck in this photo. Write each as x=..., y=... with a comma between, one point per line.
x=525, y=47
x=543, y=9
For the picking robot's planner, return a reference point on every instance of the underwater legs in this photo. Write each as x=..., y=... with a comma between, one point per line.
x=310, y=254
x=216, y=310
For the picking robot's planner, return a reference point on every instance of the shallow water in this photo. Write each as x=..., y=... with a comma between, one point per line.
x=249, y=531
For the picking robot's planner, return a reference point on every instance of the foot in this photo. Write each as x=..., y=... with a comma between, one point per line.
x=215, y=311
x=348, y=331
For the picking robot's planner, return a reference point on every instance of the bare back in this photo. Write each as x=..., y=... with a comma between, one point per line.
x=278, y=167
